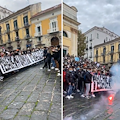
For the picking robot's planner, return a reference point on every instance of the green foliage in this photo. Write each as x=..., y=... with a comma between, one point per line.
x=81, y=43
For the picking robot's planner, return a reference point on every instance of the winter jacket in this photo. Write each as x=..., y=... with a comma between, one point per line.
x=70, y=77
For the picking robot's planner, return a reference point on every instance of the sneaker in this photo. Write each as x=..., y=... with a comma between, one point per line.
x=56, y=69
x=52, y=68
x=71, y=96
x=41, y=68
x=78, y=90
x=49, y=70
x=68, y=97
x=58, y=74
x=93, y=95
x=87, y=97
x=64, y=92
x=83, y=95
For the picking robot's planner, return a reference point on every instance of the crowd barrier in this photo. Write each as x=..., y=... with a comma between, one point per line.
x=100, y=83
x=13, y=63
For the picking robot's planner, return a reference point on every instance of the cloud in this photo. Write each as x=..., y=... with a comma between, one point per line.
x=15, y=5
x=98, y=13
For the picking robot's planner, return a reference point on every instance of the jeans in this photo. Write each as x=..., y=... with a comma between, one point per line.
x=87, y=89
x=70, y=90
x=53, y=62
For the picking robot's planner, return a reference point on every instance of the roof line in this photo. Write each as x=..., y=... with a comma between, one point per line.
x=100, y=28
x=6, y=9
x=46, y=10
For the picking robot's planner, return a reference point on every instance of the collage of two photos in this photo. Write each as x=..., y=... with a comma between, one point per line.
x=30, y=59
x=59, y=60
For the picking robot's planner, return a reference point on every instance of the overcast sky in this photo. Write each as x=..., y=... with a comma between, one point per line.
x=15, y=5
x=98, y=13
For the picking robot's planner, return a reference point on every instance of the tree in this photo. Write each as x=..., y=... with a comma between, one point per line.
x=81, y=43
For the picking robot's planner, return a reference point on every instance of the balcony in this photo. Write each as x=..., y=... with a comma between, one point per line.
x=53, y=30
x=90, y=47
x=9, y=41
x=91, y=39
x=26, y=25
x=38, y=34
x=90, y=56
x=16, y=28
x=103, y=54
x=17, y=39
x=27, y=37
x=7, y=31
x=96, y=55
x=86, y=48
x=111, y=52
x=118, y=50
x=111, y=61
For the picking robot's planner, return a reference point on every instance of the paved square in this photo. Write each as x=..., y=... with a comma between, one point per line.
x=31, y=94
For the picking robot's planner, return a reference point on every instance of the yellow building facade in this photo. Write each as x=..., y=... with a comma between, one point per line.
x=47, y=27
x=70, y=30
x=107, y=53
x=16, y=29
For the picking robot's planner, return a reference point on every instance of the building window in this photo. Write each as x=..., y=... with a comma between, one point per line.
x=25, y=19
x=103, y=59
x=15, y=24
x=39, y=39
x=106, y=38
x=53, y=25
x=119, y=47
x=17, y=35
x=27, y=32
x=112, y=48
x=39, y=30
x=8, y=37
x=91, y=36
x=97, y=36
x=90, y=44
x=96, y=52
x=87, y=38
x=65, y=34
x=111, y=57
x=8, y=26
x=104, y=50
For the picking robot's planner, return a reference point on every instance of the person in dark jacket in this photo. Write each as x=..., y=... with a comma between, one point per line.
x=59, y=59
x=47, y=60
x=88, y=79
x=70, y=78
x=44, y=53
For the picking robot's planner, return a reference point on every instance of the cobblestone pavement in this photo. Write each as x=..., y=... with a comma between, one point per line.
x=99, y=108
x=31, y=94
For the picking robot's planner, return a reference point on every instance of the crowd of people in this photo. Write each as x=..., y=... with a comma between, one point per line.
x=52, y=58
x=79, y=74
x=7, y=52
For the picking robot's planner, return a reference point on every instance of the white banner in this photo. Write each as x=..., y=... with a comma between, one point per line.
x=12, y=63
x=100, y=83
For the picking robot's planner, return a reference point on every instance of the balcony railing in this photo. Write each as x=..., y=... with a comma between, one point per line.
x=38, y=34
x=111, y=52
x=17, y=39
x=16, y=28
x=103, y=54
x=90, y=56
x=27, y=37
x=118, y=50
x=90, y=47
x=26, y=24
x=9, y=41
x=96, y=55
x=7, y=31
x=90, y=39
x=53, y=30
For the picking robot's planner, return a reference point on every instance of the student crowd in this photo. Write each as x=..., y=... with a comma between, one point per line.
x=78, y=75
